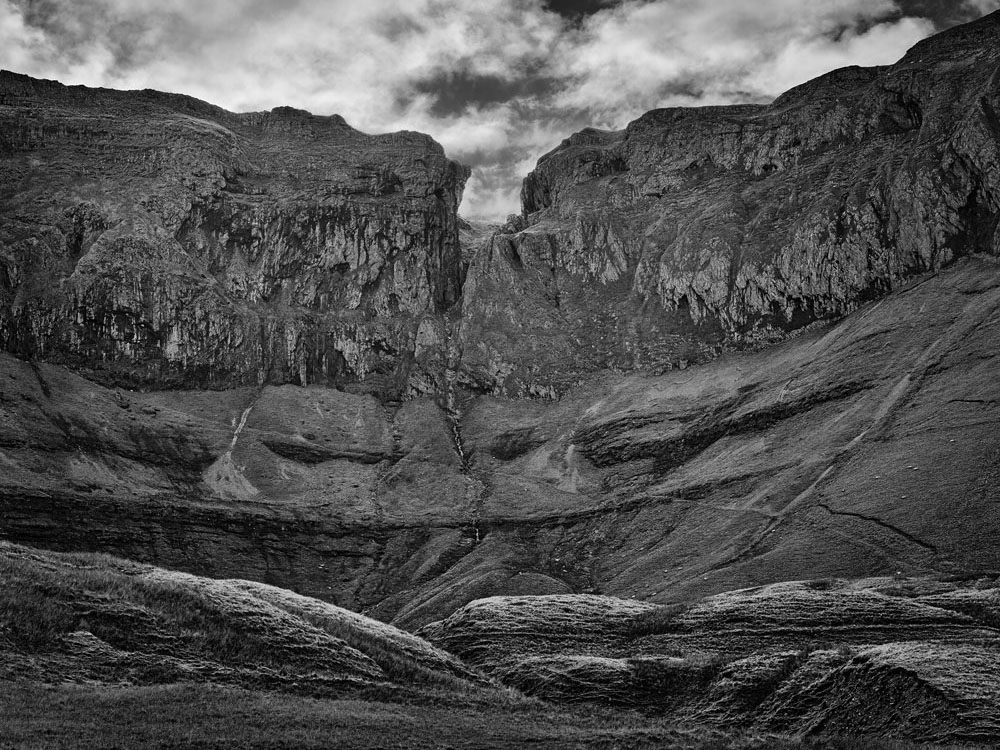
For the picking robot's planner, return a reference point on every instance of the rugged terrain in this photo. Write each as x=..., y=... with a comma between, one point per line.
x=860, y=448
x=695, y=229
x=721, y=349
x=913, y=659
x=888, y=657
x=153, y=239
x=87, y=618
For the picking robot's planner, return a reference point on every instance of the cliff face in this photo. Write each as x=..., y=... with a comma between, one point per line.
x=698, y=229
x=151, y=239
x=866, y=447
x=154, y=239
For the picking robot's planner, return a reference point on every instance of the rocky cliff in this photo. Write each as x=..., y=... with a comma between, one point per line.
x=152, y=239
x=155, y=240
x=264, y=346
x=695, y=230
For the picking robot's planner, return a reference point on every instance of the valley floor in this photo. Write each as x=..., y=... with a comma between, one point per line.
x=37, y=717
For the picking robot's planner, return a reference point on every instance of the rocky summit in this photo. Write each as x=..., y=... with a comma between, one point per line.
x=709, y=431
x=697, y=229
x=153, y=240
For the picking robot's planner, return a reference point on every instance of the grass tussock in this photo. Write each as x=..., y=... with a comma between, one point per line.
x=72, y=717
x=657, y=621
x=41, y=602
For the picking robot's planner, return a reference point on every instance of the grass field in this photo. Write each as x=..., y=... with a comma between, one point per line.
x=98, y=652
x=34, y=716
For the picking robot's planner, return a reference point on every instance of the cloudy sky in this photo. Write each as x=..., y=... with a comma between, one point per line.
x=498, y=82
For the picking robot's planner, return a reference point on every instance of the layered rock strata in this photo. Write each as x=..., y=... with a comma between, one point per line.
x=698, y=229
x=861, y=446
x=154, y=240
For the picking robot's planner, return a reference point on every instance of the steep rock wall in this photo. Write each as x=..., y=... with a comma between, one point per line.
x=861, y=447
x=152, y=239
x=698, y=229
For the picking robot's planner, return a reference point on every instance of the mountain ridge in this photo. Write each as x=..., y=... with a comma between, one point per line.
x=721, y=350
x=713, y=227
x=707, y=436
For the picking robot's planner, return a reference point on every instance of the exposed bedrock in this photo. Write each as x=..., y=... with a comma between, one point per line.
x=698, y=229
x=152, y=239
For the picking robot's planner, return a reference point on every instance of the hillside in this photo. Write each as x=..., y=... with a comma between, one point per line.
x=706, y=438
x=102, y=620
x=890, y=657
x=862, y=448
x=101, y=651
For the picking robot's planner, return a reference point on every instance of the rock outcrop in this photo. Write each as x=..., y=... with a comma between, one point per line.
x=154, y=240
x=863, y=445
x=698, y=229
x=909, y=658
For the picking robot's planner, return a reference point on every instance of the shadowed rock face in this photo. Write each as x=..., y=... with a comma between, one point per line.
x=152, y=239
x=694, y=230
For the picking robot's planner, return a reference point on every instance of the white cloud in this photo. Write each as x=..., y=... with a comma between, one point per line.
x=802, y=60
x=642, y=55
x=985, y=6
x=371, y=61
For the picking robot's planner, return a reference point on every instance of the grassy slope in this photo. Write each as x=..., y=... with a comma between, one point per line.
x=914, y=659
x=94, y=617
x=34, y=717
x=97, y=651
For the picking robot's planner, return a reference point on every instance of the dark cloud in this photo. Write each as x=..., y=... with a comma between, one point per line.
x=396, y=28
x=497, y=82
x=455, y=92
x=945, y=13
x=574, y=9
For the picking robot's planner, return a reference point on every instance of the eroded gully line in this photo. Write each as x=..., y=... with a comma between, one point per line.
x=975, y=314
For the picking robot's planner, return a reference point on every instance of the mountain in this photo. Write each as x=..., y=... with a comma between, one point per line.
x=859, y=446
x=913, y=658
x=697, y=229
x=154, y=240
x=723, y=349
